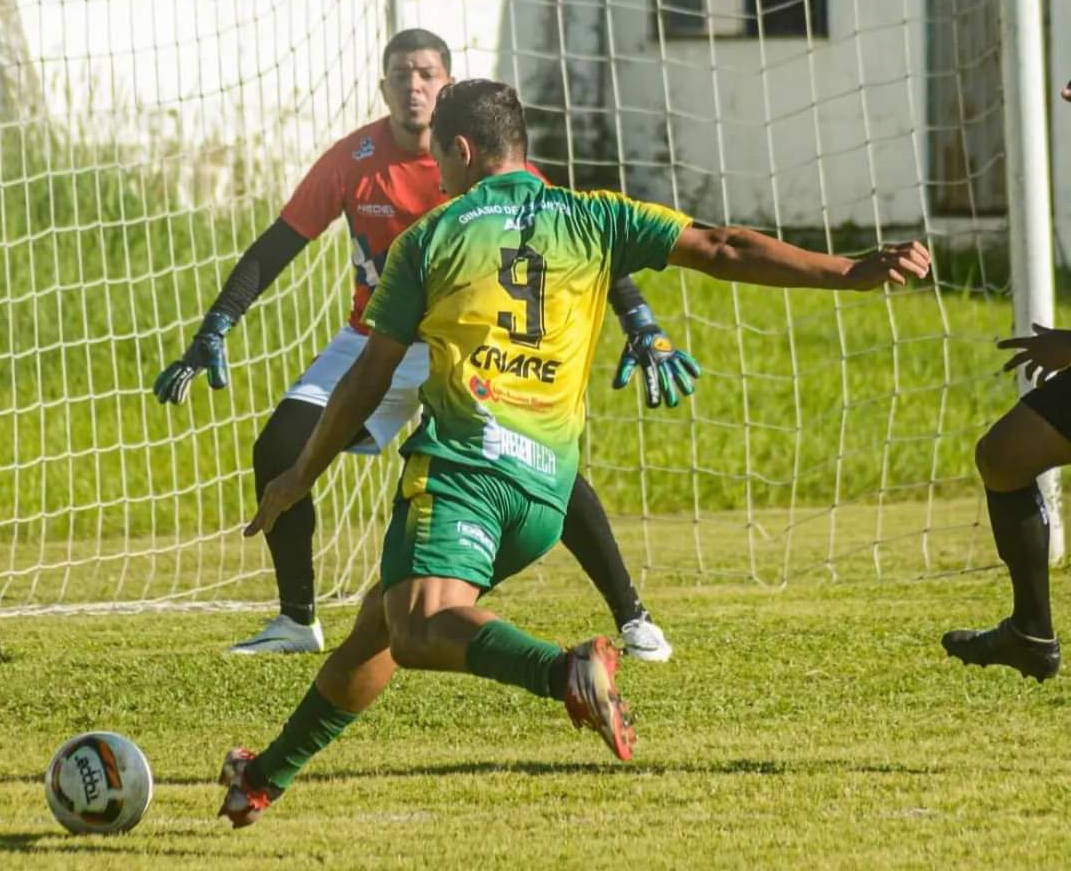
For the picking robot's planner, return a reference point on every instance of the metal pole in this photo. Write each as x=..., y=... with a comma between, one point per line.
x=1029, y=209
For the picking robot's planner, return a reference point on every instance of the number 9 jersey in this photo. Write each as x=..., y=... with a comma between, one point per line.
x=507, y=284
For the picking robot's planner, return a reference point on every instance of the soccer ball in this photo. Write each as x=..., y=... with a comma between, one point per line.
x=98, y=782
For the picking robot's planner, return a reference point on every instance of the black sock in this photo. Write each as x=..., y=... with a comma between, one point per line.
x=1021, y=531
x=587, y=535
x=290, y=540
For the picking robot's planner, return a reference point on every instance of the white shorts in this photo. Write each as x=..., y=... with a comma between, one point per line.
x=399, y=406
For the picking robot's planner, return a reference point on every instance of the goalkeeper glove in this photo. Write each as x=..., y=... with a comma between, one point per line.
x=206, y=351
x=664, y=367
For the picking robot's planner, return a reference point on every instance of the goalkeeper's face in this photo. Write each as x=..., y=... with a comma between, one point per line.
x=411, y=86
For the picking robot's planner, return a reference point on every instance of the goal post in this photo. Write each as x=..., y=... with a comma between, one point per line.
x=144, y=145
x=1030, y=213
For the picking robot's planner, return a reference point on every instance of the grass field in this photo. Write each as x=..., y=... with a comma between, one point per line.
x=811, y=726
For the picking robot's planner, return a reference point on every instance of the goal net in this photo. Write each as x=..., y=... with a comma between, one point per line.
x=144, y=145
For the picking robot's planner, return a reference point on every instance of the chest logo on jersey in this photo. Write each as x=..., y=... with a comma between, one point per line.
x=485, y=390
x=520, y=364
x=376, y=210
x=364, y=149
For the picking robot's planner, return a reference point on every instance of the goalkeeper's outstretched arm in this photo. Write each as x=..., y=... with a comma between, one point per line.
x=740, y=254
x=258, y=267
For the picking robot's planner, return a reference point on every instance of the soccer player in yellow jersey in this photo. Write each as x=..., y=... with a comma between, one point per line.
x=507, y=285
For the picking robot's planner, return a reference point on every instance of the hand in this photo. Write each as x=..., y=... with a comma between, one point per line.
x=1046, y=352
x=281, y=494
x=664, y=367
x=889, y=263
x=206, y=351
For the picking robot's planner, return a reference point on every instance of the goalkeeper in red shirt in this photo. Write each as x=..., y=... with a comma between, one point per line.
x=383, y=178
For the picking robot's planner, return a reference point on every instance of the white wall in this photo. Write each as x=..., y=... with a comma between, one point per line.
x=748, y=121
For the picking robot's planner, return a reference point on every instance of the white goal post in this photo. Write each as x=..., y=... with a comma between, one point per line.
x=145, y=143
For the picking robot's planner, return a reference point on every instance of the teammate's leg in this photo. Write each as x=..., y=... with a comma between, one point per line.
x=1025, y=442
x=588, y=536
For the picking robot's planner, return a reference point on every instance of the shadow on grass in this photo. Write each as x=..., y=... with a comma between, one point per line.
x=712, y=767
x=775, y=767
x=59, y=843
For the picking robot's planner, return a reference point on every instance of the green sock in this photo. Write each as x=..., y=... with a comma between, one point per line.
x=504, y=653
x=313, y=725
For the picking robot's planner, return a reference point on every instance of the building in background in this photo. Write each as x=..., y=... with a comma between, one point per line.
x=814, y=114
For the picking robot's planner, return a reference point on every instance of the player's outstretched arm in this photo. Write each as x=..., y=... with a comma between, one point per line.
x=1045, y=353
x=258, y=267
x=665, y=368
x=739, y=254
x=352, y=402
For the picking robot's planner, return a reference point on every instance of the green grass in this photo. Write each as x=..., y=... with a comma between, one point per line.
x=816, y=725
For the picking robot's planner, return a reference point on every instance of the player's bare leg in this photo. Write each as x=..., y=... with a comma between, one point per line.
x=435, y=624
x=353, y=677
x=1010, y=456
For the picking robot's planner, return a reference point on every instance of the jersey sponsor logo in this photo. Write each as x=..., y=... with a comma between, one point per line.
x=485, y=390
x=470, y=535
x=376, y=210
x=499, y=441
x=522, y=365
x=517, y=216
x=365, y=148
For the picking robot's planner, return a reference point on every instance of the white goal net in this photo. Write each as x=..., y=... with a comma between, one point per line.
x=144, y=145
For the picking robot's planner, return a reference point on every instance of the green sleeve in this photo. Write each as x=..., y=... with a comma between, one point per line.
x=643, y=234
x=399, y=301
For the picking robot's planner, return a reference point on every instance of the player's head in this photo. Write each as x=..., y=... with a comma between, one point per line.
x=416, y=65
x=477, y=128
x=1066, y=92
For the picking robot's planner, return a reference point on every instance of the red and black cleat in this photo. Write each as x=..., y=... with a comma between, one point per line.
x=242, y=804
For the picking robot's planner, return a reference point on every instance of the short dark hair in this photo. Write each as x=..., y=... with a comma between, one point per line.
x=487, y=112
x=414, y=39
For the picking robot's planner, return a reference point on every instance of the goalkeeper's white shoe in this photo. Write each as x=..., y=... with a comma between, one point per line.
x=644, y=640
x=283, y=635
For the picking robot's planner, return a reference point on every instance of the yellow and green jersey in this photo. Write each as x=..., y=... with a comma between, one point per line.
x=507, y=284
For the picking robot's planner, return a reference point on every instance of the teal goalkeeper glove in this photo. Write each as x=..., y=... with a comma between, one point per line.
x=206, y=351
x=664, y=367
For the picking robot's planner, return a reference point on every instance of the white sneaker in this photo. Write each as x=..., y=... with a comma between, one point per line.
x=283, y=635
x=644, y=640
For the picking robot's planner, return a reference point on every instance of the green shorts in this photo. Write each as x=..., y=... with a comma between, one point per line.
x=454, y=521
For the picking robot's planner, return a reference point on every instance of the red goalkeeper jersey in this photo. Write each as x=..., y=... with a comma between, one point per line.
x=380, y=188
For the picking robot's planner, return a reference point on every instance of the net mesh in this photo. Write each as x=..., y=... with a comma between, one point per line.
x=144, y=145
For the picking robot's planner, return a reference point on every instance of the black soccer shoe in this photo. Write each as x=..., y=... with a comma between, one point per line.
x=1004, y=645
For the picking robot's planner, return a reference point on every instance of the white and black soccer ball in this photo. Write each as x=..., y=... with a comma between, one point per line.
x=98, y=782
